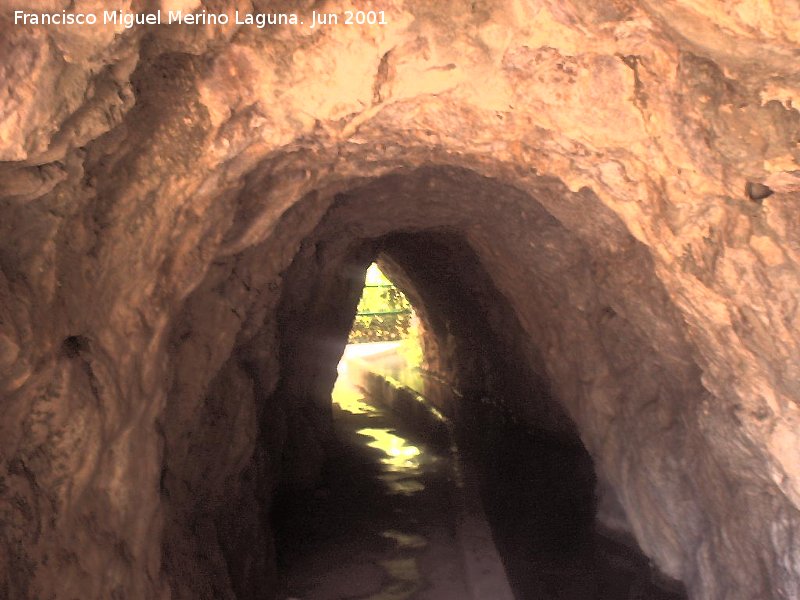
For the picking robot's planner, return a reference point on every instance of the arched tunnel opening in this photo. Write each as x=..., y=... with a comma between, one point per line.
x=486, y=372
x=536, y=479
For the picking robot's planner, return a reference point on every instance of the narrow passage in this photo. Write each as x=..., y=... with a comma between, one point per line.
x=381, y=526
x=384, y=523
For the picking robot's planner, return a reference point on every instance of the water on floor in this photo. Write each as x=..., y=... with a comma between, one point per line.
x=538, y=494
x=381, y=525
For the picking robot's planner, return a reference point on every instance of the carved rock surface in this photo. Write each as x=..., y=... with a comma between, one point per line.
x=184, y=210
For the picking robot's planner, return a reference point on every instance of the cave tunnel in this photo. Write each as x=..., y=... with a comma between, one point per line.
x=537, y=479
x=592, y=209
x=450, y=238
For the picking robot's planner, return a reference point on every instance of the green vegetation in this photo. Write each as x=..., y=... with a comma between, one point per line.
x=411, y=347
x=384, y=313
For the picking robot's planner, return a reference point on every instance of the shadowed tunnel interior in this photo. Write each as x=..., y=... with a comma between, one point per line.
x=536, y=479
x=450, y=238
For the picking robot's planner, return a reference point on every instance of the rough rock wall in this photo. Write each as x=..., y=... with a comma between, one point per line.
x=146, y=220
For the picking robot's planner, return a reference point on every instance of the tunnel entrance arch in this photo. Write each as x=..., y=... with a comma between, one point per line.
x=476, y=343
x=583, y=317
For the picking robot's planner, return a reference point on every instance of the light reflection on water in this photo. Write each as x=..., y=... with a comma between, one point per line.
x=405, y=540
x=405, y=579
x=402, y=485
x=400, y=455
x=401, y=463
x=403, y=467
x=350, y=399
